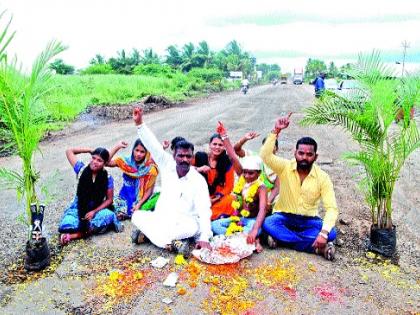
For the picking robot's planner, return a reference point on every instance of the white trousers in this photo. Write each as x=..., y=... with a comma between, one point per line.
x=162, y=229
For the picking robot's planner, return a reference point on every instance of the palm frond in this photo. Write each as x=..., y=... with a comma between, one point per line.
x=11, y=180
x=5, y=39
x=337, y=111
x=369, y=69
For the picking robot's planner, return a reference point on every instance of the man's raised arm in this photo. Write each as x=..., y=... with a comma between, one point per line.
x=149, y=139
x=266, y=152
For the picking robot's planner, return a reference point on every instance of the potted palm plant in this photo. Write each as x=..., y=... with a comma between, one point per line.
x=368, y=115
x=22, y=125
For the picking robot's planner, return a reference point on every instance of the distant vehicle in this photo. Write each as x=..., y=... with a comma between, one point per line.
x=331, y=85
x=244, y=89
x=298, y=76
x=349, y=85
x=352, y=91
x=298, y=79
x=283, y=79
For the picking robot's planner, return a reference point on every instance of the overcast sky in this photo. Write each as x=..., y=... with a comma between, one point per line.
x=286, y=32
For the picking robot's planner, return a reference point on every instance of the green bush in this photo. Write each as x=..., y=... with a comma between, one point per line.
x=155, y=70
x=271, y=75
x=211, y=75
x=60, y=67
x=103, y=68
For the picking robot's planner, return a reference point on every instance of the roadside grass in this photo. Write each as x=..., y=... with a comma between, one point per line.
x=71, y=95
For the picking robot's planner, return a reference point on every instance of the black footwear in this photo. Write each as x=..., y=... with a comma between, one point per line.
x=138, y=237
x=271, y=242
x=182, y=247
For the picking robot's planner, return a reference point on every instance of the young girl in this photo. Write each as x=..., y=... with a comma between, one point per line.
x=268, y=176
x=250, y=197
x=90, y=212
x=249, y=194
x=139, y=177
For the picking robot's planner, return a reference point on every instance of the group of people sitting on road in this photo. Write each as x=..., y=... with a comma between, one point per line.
x=273, y=199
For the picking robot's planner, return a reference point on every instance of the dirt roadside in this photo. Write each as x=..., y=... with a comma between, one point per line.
x=354, y=284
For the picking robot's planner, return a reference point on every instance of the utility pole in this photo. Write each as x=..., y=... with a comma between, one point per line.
x=405, y=45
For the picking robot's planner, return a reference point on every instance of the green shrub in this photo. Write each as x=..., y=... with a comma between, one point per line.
x=271, y=75
x=98, y=69
x=155, y=70
x=60, y=67
x=211, y=75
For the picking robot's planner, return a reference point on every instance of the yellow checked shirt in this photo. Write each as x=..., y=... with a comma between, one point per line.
x=300, y=199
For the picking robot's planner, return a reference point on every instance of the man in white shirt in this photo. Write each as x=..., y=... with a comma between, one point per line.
x=183, y=208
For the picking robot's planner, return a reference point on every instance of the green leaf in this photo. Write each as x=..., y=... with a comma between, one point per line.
x=10, y=179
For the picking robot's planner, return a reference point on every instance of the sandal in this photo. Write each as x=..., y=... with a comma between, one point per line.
x=181, y=247
x=271, y=242
x=65, y=239
x=329, y=251
x=138, y=237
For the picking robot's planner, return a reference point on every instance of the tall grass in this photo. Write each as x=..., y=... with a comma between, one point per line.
x=71, y=95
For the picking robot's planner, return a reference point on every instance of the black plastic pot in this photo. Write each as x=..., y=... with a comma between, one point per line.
x=383, y=241
x=37, y=254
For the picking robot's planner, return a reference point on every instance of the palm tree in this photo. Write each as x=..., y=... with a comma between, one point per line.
x=369, y=116
x=173, y=58
x=203, y=55
x=23, y=117
x=149, y=57
x=188, y=51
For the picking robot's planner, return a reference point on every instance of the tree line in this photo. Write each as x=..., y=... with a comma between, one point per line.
x=232, y=58
x=315, y=66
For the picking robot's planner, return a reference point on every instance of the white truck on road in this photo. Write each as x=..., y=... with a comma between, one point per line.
x=298, y=76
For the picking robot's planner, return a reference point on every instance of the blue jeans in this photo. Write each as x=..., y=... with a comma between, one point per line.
x=103, y=220
x=295, y=231
x=220, y=226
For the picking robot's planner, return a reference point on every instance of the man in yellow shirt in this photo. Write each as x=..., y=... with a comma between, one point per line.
x=295, y=222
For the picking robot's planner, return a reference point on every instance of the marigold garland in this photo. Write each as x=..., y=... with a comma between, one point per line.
x=235, y=226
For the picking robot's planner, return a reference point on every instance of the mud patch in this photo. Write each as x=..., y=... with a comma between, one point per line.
x=125, y=111
x=97, y=115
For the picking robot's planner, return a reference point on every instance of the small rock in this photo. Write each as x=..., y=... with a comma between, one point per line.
x=171, y=280
x=159, y=262
x=344, y=222
x=167, y=300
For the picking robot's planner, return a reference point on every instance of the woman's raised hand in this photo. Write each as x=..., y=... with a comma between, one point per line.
x=138, y=116
x=220, y=129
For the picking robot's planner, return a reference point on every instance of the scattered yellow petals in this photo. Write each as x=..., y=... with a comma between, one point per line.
x=370, y=255
x=180, y=260
x=311, y=267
